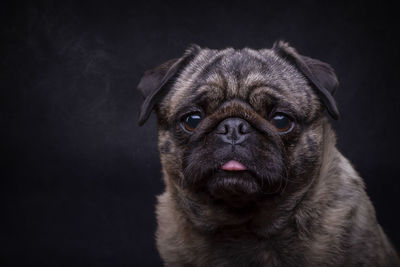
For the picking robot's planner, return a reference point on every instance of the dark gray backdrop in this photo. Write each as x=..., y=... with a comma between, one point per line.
x=79, y=177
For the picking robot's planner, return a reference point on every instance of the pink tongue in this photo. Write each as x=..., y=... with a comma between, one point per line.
x=233, y=165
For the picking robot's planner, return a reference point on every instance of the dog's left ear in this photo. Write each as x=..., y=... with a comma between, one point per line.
x=155, y=82
x=321, y=76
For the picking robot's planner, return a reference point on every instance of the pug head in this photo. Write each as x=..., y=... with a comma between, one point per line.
x=238, y=127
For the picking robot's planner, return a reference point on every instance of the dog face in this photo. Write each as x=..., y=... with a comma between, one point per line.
x=239, y=126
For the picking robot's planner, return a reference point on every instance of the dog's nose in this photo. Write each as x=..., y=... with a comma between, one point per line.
x=233, y=130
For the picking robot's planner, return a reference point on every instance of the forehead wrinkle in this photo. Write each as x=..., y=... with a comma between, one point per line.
x=214, y=92
x=214, y=79
x=231, y=87
x=211, y=65
x=191, y=74
x=247, y=68
x=214, y=87
x=254, y=79
x=268, y=90
x=231, y=69
x=275, y=93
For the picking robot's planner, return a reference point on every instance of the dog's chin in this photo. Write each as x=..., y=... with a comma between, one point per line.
x=234, y=188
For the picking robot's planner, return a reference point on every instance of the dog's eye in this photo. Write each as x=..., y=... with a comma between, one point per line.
x=282, y=123
x=191, y=121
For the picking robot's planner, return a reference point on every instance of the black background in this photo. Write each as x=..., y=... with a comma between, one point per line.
x=80, y=177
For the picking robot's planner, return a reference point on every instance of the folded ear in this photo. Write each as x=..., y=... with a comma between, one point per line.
x=156, y=82
x=320, y=75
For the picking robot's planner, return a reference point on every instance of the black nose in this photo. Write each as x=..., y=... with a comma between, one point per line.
x=233, y=130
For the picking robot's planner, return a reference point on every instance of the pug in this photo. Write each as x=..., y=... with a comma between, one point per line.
x=250, y=165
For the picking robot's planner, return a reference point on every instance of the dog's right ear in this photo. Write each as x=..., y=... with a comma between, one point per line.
x=155, y=82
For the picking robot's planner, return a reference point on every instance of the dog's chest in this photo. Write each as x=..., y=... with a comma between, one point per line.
x=245, y=252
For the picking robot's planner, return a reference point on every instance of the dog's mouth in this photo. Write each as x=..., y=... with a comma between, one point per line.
x=234, y=183
x=233, y=166
x=235, y=179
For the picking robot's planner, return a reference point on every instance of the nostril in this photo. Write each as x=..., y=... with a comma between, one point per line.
x=243, y=128
x=223, y=129
x=226, y=128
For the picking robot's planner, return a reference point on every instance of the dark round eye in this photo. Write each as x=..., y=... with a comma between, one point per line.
x=282, y=123
x=191, y=121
